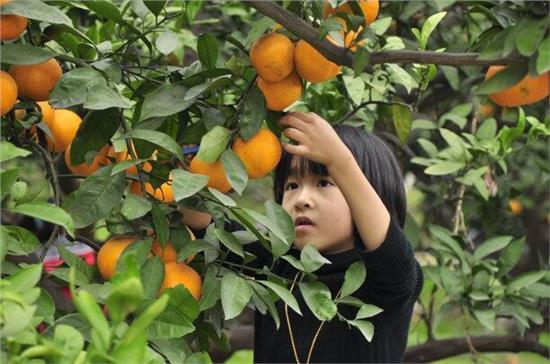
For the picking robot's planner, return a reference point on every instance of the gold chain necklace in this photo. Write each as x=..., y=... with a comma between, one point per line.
x=292, y=336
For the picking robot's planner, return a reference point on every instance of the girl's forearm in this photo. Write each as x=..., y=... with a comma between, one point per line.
x=369, y=214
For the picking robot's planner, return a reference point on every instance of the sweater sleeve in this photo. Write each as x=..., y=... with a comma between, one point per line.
x=393, y=273
x=263, y=256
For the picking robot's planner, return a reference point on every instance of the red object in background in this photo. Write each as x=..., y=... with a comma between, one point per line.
x=41, y=327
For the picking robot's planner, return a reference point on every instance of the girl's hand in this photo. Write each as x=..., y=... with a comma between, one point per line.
x=316, y=139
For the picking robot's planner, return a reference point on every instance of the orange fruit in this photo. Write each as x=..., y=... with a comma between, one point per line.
x=369, y=8
x=35, y=81
x=311, y=65
x=181, y=273
x=8, y=93
x=4, y=2
x=63, y=128
x=169, y=253
x=515, y=206
x=12, y=26
x=486, y=110
x=45, y=109
x=280, y=95
x=260, y=154
x=526, y=92
x=272, y=55
x=163, y=193
x=214, y=171
x=108, y=255
x=85, y=169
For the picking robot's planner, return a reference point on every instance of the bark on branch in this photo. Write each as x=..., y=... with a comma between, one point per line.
x=440, y=349
x=343, y=57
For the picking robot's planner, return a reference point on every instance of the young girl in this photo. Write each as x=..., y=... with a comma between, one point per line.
x=343, y=188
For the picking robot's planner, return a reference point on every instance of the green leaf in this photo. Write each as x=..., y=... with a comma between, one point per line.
x=311, y=259
x=503, y=79
x=160, y=222
x=36, y=10
x=530, y=35
x=492, y=245
x=284, y=294
x=235, y=294
x=211, y=288
x=381, y=25
x=234, y=170
x=167, y=100
x=400, y=76
x=167, y=41
x=253, y=114
x=360, y=60
x=18, y=240
x=104, y=9
x=26, y=278
x=73, y=87
x=258, y=28
x=230, y=241
x=207, y=47
x=90, y=311
x=145, y=319
x=539, y=290
x=543, y=58
x=99, y=193
x=47, y=212
x=442, y=168
x=170, y=324
x=366, y=328
x=284, y=223
x=94, y=133
x=156, y=137
x=354, y=278
x=13, y=53
x=101, y=97
x=402, y=122
x=131, y=351
x=223, y=199
x=7, y=180
x=135, y=207
x=185, y=184
x=318, y=299
x=152, y=275
x=155, y=6
x=487, y=130
x=198, y=358
x=9, y=151
x=486, y=318
x=510, y=256
x=367, y=310
x=429, y=26
x=69, y=341
x=213, y=144
x=524, y=280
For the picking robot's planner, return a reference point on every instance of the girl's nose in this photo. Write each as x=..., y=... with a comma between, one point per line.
x=303, y=200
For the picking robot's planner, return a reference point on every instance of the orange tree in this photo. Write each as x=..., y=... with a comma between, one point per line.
x=131, y=83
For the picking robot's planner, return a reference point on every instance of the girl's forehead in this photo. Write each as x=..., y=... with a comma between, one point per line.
x=302, y=167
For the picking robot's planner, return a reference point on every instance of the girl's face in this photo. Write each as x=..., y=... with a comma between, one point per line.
x=318, y=198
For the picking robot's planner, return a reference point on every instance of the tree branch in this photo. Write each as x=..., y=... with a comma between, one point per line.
x=440, y=349
x=344, y=57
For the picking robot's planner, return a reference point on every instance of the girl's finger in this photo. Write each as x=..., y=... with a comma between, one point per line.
x=294, y=149
x=304, y=116
x=291, y=121
x=294, y=134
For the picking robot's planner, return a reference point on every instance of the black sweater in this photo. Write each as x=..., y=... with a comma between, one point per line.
x=394, y=281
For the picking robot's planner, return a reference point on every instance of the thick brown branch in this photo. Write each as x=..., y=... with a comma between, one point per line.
x=339, y=54
x=439, y=349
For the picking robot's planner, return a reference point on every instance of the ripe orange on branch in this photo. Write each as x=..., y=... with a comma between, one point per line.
x=85, y=169
x=8, y=93
x=260, y=154
x=12, y=26
x=279, y=95
x=181, y=273
x=35, y=81
x=169, y=253
x=108, y=255
x=63, y=127
x=526, y=92
x=311, y=65
x=214, y=171
x=163, y=193
x=272, y=55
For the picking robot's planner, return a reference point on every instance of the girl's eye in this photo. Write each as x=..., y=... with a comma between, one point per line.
x=325, y=183
x=290, y=186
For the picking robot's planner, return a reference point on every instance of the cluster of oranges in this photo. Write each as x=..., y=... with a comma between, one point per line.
x=282, y=65
x=174, y=273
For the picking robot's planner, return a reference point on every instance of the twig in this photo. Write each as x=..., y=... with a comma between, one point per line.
x=369, y=102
